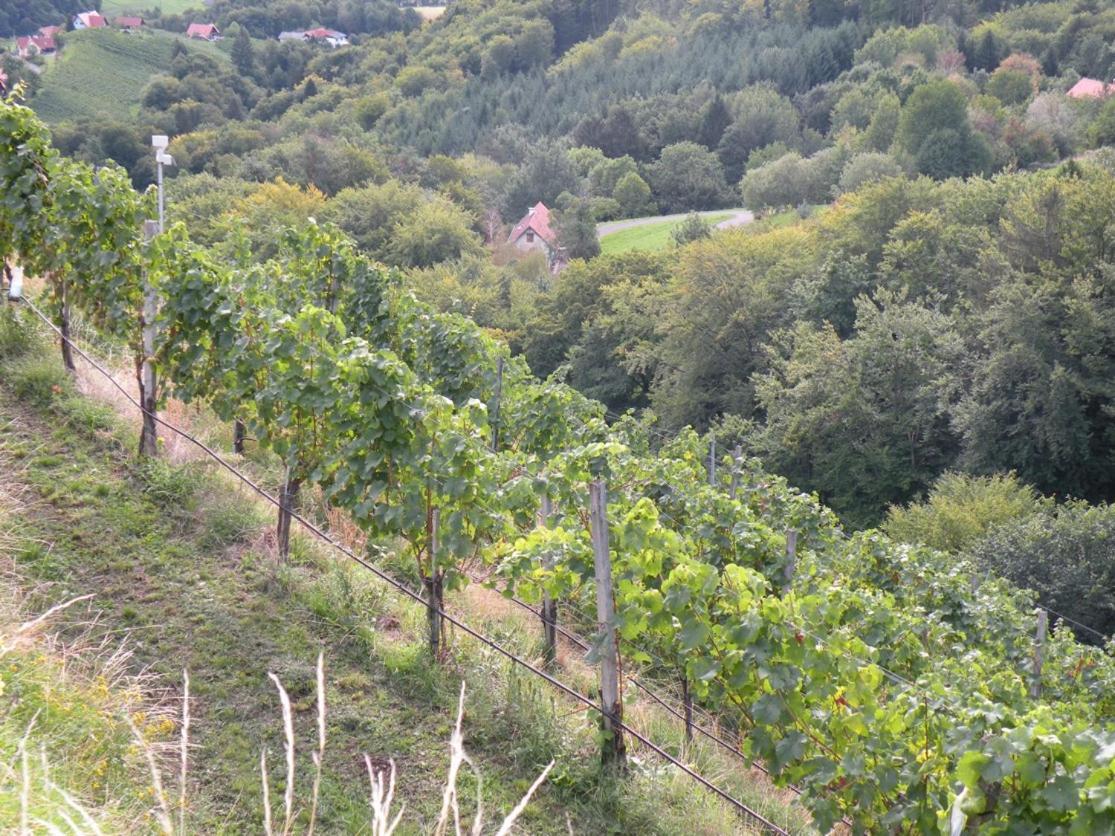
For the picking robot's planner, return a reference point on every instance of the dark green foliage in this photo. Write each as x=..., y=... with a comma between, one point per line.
x=688, y=176
x=22, y=17
x=693, y=228
x=1066, y=554
x=576, y=229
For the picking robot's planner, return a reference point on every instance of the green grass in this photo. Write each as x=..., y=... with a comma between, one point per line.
x=112, y=8
x=649, y=237
x=180, y=557
x=787, y=217
x=102, y=73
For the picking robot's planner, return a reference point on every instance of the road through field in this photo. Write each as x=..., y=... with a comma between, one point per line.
x=739, y=217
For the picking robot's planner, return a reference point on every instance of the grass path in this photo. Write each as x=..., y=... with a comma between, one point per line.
x=654, y=233
x=183, y=560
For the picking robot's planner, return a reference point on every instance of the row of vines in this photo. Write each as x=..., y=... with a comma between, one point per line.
x=891, y=684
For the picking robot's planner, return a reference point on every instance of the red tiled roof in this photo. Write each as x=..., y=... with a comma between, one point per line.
x=1089, y=88
x=202, y=30
x=538, y=220
x=130, y=22
x=92, y=20
x=321, y=33
x=44, y=43
x=49, y=31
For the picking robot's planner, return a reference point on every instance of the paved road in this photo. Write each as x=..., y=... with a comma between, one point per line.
x=739, y=217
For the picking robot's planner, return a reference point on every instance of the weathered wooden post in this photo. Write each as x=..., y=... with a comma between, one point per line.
x=148, y=438
x=791, y=556
x=238, y=434
x=712, y=460
x=737, y=454
x=432, y=583
x=613, y=751
x=495, y=405
x=1039, y=652
x=549, y=605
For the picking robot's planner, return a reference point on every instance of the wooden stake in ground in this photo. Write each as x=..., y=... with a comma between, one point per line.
x=613, y=751
x=64, y=331
x=238, y=433
x=1039, y=652
x=495, y=405
x=435, y=593
x=148, y=437
x=791, y=556
x=549, y=605
x=287, y=494
x=737, y=454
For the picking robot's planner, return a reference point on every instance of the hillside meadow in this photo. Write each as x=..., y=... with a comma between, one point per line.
x=101, y=74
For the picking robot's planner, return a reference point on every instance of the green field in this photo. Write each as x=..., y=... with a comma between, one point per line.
x=111, y=8
x=649, y=236
x=102, y=73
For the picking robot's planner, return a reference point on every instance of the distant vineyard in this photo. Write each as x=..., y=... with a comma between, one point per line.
x=894, y=686
x=102, y=73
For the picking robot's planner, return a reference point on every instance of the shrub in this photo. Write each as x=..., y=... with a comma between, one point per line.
x=36, y=380
x=867, y=168
x=1066, y=554
x=960, y=510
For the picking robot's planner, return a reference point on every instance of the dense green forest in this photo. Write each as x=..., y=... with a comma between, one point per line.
x=22, y=17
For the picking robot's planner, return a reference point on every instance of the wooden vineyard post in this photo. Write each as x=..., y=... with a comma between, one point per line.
x=712, y=460
x=64, y=331
x=791, y=556
x=148, y=438
x=432, y=583
x=495, y=405
x=549, y=605
x=238, y=433
x=287, y=494
x=1039, y=652
x=687, y=704
x=737, y=454
x=613, y=752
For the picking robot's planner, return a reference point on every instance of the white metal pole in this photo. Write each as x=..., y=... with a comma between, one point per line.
x=159, y=168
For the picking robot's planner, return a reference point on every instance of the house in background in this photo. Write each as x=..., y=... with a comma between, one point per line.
x=534, y=234
x=128, y=24
x=1090, y=88
x=319, y=35
x=203, y=32
x=40, y=44
x=329, y=36
x=89, y=20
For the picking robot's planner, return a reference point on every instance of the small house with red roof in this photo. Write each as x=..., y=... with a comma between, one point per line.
x=329, y=36
x=89, y=20
x=32, y=45
x=128, y=24
x=1090, y=88
x=203, y=32
x=535, y=234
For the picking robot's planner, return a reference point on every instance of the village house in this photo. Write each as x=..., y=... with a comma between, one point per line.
x=32, y=45
x=128, y=24
x=203, y=32
x=89, y=20
x=319, y=35
x=534, y=234
x=1090, y=88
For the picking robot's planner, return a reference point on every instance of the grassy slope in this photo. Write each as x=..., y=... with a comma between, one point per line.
x=651, y=237
x=102, y=73
x=181, y=558
x=112, y=8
